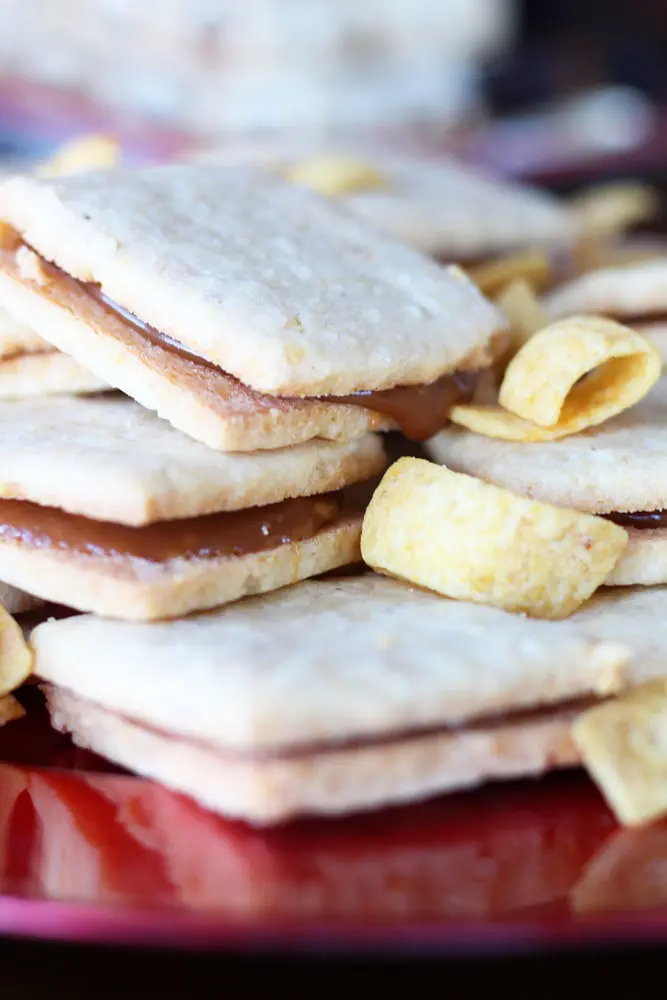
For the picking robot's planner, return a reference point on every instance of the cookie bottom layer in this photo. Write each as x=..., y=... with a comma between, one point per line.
x=269, y=790
x=138, y=590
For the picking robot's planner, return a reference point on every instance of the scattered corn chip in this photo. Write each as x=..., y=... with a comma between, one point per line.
x=608, y=209
x=522, y=307
x=15, y=654
x=335, y=175
x=474, y=542
x=9, y=710
x=623, y=744
x=495, y=275
x=86, y=152
x=544, y=395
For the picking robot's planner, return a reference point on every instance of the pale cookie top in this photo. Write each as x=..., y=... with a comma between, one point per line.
x=620, y=465
x=17, y=338
x=274, y=284
x=326, y=661
x=633, y=290
x=438, y=205
x=112, y=460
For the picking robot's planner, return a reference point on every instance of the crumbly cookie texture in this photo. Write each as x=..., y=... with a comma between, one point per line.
x=437, y=205
x=327, y=662
x=205, y=403
x=619, y=466
x=276, y=285
x=111, y=460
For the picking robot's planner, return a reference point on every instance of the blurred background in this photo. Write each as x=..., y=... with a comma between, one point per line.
x=550, y=89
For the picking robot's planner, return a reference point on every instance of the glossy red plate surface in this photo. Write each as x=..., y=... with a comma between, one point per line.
x=91, y=854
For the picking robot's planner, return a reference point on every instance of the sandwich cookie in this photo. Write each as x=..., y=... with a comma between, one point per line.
x=441, y=207
x=636, y=294
x=107, y=508
x=249, y=312
x=617, y=469
x=30, y=366
x=328, y=697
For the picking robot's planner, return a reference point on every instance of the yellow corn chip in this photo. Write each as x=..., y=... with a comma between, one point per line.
x=544, y=395
x=608, y=209
x=471, y=541
x=9, y=710
x=522, y=307
x=495, y=275
x=86, y=152
x=623, y=744
x=335, y=175
x=15, y=655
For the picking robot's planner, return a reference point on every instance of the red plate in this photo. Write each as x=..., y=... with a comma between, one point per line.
x=88, y=854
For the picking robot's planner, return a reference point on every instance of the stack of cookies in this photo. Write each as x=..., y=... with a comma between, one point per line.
x=261, y=340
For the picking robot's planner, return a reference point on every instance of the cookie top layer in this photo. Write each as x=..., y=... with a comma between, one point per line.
x=437, y=205
x=274, y=284
x=111, y=460
x=327, y=661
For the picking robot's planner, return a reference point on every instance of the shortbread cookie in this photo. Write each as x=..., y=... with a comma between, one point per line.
x=172, y=569
x=319, y=699
x=618, y=469
x=29, y=366
x=110, y=460
x=16, y=338
x=638, y=290
x=182, y=284
x=439, y=206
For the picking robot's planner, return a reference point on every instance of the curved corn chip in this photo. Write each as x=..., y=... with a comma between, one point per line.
x=9, y=710
x=608, y=209
x=16, y=657
x=335, y=175
x=474, y=542
x=543, y=383
x=623, y=744
x=86, y=152
x=544, y=395
x=495, y=275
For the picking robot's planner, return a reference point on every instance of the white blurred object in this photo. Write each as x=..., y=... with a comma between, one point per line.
x=262, y=64
x=602, y=121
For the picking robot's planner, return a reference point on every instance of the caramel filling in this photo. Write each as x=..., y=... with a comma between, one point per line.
x=639, y=519
x=235, y=533
x=420, y=411
x=650, y=317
